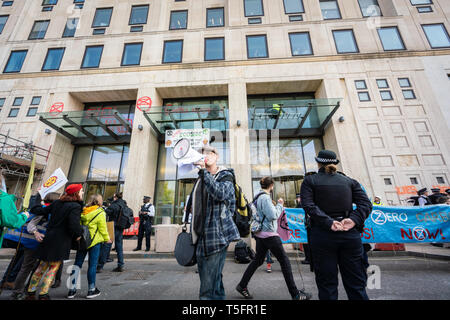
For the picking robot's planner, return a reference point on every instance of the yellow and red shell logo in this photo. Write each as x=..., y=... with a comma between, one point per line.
x=51, y=181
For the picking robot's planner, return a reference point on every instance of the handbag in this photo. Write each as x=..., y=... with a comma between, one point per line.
x=185, y=249
x=86, y=239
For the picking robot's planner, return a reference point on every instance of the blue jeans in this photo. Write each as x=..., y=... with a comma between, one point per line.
x=94, y=253
x=118, y=241
x=210, y=272
x=269, y=257
x=105, y=249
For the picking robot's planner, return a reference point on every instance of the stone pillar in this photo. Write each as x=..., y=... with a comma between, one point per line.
x=140, y=174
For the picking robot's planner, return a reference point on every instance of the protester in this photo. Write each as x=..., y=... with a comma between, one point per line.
x=269, y=262
x=213, y=195
x=94, y=217
x=328, y=199
x=64, y=224
x=306, y=248
x=145, y=223
x=32, y=234
x=9, y=217
x=105, y=247
x=113, y=211
x=269, y=239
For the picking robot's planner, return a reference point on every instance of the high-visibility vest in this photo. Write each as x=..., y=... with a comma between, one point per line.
x=378, y=204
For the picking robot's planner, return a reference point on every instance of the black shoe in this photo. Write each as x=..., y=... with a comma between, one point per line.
x=118, y=269
x=305, y=262
x=302, y=295
x=30, y=296
x=17, y=296
x=99, y=270
x=244, y=292
x=72, y=293
x=44, y=297
x=137, y=249
x=93, y=293
x=147, y=250
x=57, y=284
x=109, y=260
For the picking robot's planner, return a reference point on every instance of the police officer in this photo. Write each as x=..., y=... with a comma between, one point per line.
x=423, y=199
x=335, y=239
x=436, y=195
x=145, y=223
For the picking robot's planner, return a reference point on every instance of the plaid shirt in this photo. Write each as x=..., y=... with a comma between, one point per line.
x=220, y=229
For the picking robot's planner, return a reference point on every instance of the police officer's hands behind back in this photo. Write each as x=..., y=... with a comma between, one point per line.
x=337, y=226
x=348, y=224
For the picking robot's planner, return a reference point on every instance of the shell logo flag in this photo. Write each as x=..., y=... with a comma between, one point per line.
x=56, y=180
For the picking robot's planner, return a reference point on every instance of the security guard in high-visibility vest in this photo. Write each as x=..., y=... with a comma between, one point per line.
x=275, y=111
x=335, y=235
x=377, y=201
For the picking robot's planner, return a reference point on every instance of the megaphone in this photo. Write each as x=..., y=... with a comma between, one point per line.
x=186, y=156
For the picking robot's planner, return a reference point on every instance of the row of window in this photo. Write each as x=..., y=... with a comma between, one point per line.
x=415, y=181
x=13, y=112
x=214, y=48
x=383, y=85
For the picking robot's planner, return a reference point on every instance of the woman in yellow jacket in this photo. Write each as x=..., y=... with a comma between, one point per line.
x=94, y=217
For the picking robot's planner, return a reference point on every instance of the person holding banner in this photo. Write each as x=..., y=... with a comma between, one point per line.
x=335, y=236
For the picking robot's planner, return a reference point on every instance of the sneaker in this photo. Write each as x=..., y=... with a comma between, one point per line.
x=44, y=297
x=17, y=296
x=109, y=260
x=302, y=295
x=269, y=268
x=244, y=292
x=93, y=293
x=118, y=269
x=56, y=284
x=72, y=293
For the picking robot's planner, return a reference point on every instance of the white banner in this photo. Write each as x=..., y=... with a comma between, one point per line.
x=197, y=137
x=57, y=180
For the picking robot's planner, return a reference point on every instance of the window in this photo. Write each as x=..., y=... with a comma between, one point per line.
x=3, y=20
x=173, y=51
x=382, y=83
x=18, y=101
x=178, y=20
x=386, y=95
x=293, y=6
x=419, y=2
x=46, y=9
x=296, y=18
x=360, y=84
x=440, y=180
x=92, y=56
x=7, y=3
x=345, y=41
x=215, y=17
x=363, y=96
x=387, y=181
x=13, y=113
x=404, y=82
x=2, y=102
x=53, y=59
x=369, y=8
x=300, y=44
x=35, y=101
x=79, y=4
x=214, y=49
x=390, y=39
x=102, y=17
x=408, y=94
x=15, y=61
x=70, y=28
x=254, y=20
x=257, y=47
x=413, y=180
x=99, y=31
x=253, y=8
x=424, y=9
x=330, y=9
x=136, y=28
x=32, y=112
x=437, y=35
x=132, y=54
x=49, y=2
x=139, y=15
x=39, y=30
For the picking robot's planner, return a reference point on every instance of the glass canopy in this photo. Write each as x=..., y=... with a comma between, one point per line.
x=89, y=127
x=211, y=116
x=298, y=117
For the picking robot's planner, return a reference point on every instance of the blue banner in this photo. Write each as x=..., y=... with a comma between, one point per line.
x=384, y=225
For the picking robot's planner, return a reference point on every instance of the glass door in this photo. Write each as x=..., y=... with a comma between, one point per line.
x=184, y=190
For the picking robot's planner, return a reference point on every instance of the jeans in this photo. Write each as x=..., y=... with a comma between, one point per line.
x=269, y=257
x=105, y=249
x=276, y=247
x=118, y=242
x=210, y=272
x=94, y=253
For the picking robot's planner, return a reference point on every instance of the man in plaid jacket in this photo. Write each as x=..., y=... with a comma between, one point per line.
x=219, y=228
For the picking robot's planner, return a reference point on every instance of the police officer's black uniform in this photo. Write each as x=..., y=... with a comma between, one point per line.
x=326, y=198
x=145, y=225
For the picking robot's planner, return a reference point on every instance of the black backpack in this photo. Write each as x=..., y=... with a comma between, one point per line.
x=243, y=253
x=126, y=218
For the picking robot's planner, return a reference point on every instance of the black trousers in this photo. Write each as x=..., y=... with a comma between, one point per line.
x=331, y=250
x=144, y=228
x=276, y=247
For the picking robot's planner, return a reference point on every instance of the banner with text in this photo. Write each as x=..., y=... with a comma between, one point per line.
x=385, y=225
